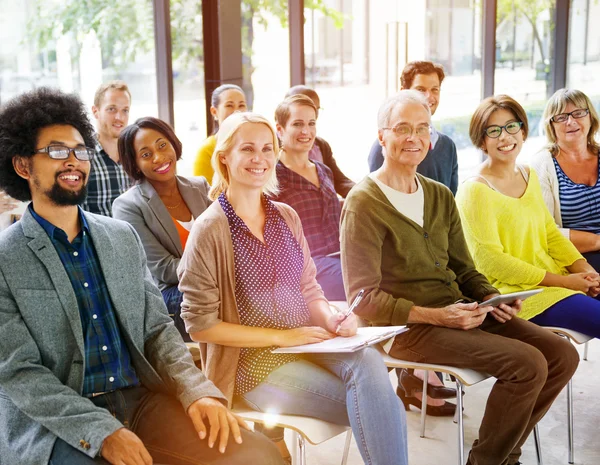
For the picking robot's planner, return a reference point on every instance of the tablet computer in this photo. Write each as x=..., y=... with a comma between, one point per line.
x=509, y=298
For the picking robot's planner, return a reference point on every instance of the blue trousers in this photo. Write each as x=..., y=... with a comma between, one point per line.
x=578, y=312
x=173, y=298
x=168, y=433
x=329, y=277
x=348, y=389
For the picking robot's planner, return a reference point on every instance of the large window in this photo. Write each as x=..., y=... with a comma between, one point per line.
x=50, y=43
x=524, y=50
x=265, y=54
x=188, y=80
x=583, y=71
x=355, y=52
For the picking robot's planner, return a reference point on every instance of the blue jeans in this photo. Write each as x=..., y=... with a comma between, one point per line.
x=348, y=389
x=173, y=298
x=168, y=433
x=577, y=312
x=329, y=277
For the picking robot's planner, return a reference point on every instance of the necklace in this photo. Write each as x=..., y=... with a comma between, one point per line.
x=174, y=206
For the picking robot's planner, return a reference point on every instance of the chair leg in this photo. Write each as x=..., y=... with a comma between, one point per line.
x=538, y=445
x=585, y=350
x=424, y=403
x=570, y=420
x=347, y=447
x=461, y=431
x=302, y=449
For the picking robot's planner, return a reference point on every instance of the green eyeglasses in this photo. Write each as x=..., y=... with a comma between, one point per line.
x=495, y=131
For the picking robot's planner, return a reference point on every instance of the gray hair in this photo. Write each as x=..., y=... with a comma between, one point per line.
x=403, y=97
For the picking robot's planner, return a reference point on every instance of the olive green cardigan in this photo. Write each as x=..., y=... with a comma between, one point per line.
x=401, y=264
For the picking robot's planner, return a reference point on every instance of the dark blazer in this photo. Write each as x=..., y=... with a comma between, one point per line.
x=41, y=340
x=141, y=207
x=341, y=182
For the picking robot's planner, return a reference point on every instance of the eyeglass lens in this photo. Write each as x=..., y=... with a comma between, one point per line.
x=59, y=152
x=562, y=117
x=495, y=131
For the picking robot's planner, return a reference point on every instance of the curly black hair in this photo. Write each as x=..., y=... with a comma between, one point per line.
x=21, y=119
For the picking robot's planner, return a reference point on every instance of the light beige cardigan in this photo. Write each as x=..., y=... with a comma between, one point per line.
x=207, y=279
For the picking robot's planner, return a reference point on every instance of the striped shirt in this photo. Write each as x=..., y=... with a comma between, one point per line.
x=579, y=203
x=267, y=289
x=107, y=181
x=108, y=363
x=319, y=208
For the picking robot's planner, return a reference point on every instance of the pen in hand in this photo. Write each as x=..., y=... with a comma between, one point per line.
x=350, y=310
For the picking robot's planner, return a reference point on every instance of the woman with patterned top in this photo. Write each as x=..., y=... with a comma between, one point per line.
x=569, y=170
x=512, y=237
x=249, y=285
x=308, y=187
x=161, y=206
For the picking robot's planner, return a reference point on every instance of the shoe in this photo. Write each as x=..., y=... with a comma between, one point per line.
x=411, y=385
x=446, y=410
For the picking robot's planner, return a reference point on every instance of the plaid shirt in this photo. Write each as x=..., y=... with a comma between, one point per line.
x=107, y=181
x=318, y=207
x=107, y=361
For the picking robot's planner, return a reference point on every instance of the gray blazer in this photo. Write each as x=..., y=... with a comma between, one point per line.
x=141, y=207
x=41, y=340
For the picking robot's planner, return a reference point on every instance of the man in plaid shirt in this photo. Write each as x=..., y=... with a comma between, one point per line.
x=108, y=180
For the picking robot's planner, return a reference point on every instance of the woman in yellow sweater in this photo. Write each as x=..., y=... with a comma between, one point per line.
x=224, y=101
x=511, y=235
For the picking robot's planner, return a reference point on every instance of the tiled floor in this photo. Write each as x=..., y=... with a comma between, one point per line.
x=440, y=445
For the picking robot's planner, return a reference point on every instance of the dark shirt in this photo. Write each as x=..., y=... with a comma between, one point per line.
x=267, y=289
x=107, y=360
x=322, y=152
x=107, y=181
x=318, y=207
x=440, y=164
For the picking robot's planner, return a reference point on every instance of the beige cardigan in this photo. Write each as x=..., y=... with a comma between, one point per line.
x=207, y=279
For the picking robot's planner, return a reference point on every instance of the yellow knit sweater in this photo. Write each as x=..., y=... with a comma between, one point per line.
x=514, y=242
x=202, y=165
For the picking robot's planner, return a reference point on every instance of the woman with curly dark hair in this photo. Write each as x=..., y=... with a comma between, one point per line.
x=45, y=107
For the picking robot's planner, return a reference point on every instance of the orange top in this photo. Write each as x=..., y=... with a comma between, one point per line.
x=183, y=233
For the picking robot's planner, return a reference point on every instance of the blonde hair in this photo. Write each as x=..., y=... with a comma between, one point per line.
x=225, y=142
x=114, y=85
x=557, y=104
x=283, y=110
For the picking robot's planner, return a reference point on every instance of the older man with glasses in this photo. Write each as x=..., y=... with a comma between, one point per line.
x=402, y=242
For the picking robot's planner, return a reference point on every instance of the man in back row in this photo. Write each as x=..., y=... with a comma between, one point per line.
x=441, y=163
x=108, y=180
x=92, y=369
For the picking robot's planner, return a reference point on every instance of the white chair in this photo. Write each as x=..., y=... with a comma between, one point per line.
x=464, y=377
x=304, y=429
x=576, y=338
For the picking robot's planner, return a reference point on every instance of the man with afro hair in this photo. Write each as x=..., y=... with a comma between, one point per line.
x=92, y=369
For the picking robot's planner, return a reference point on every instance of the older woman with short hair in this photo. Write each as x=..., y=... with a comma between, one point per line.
x=568, y=170
x=402, y=242
x=249, y=284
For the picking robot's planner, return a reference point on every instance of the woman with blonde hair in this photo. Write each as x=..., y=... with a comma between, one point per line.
x=511, y=235
x=568, y=170
x=249, y=285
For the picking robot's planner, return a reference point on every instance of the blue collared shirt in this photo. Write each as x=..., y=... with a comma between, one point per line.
x=107, y=360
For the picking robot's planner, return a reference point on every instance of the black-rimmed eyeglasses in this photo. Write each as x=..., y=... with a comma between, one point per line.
x=576, y=114
x=60, y=152
x=495, y=131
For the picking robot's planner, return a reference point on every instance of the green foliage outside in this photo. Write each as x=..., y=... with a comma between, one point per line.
x=125, y=28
